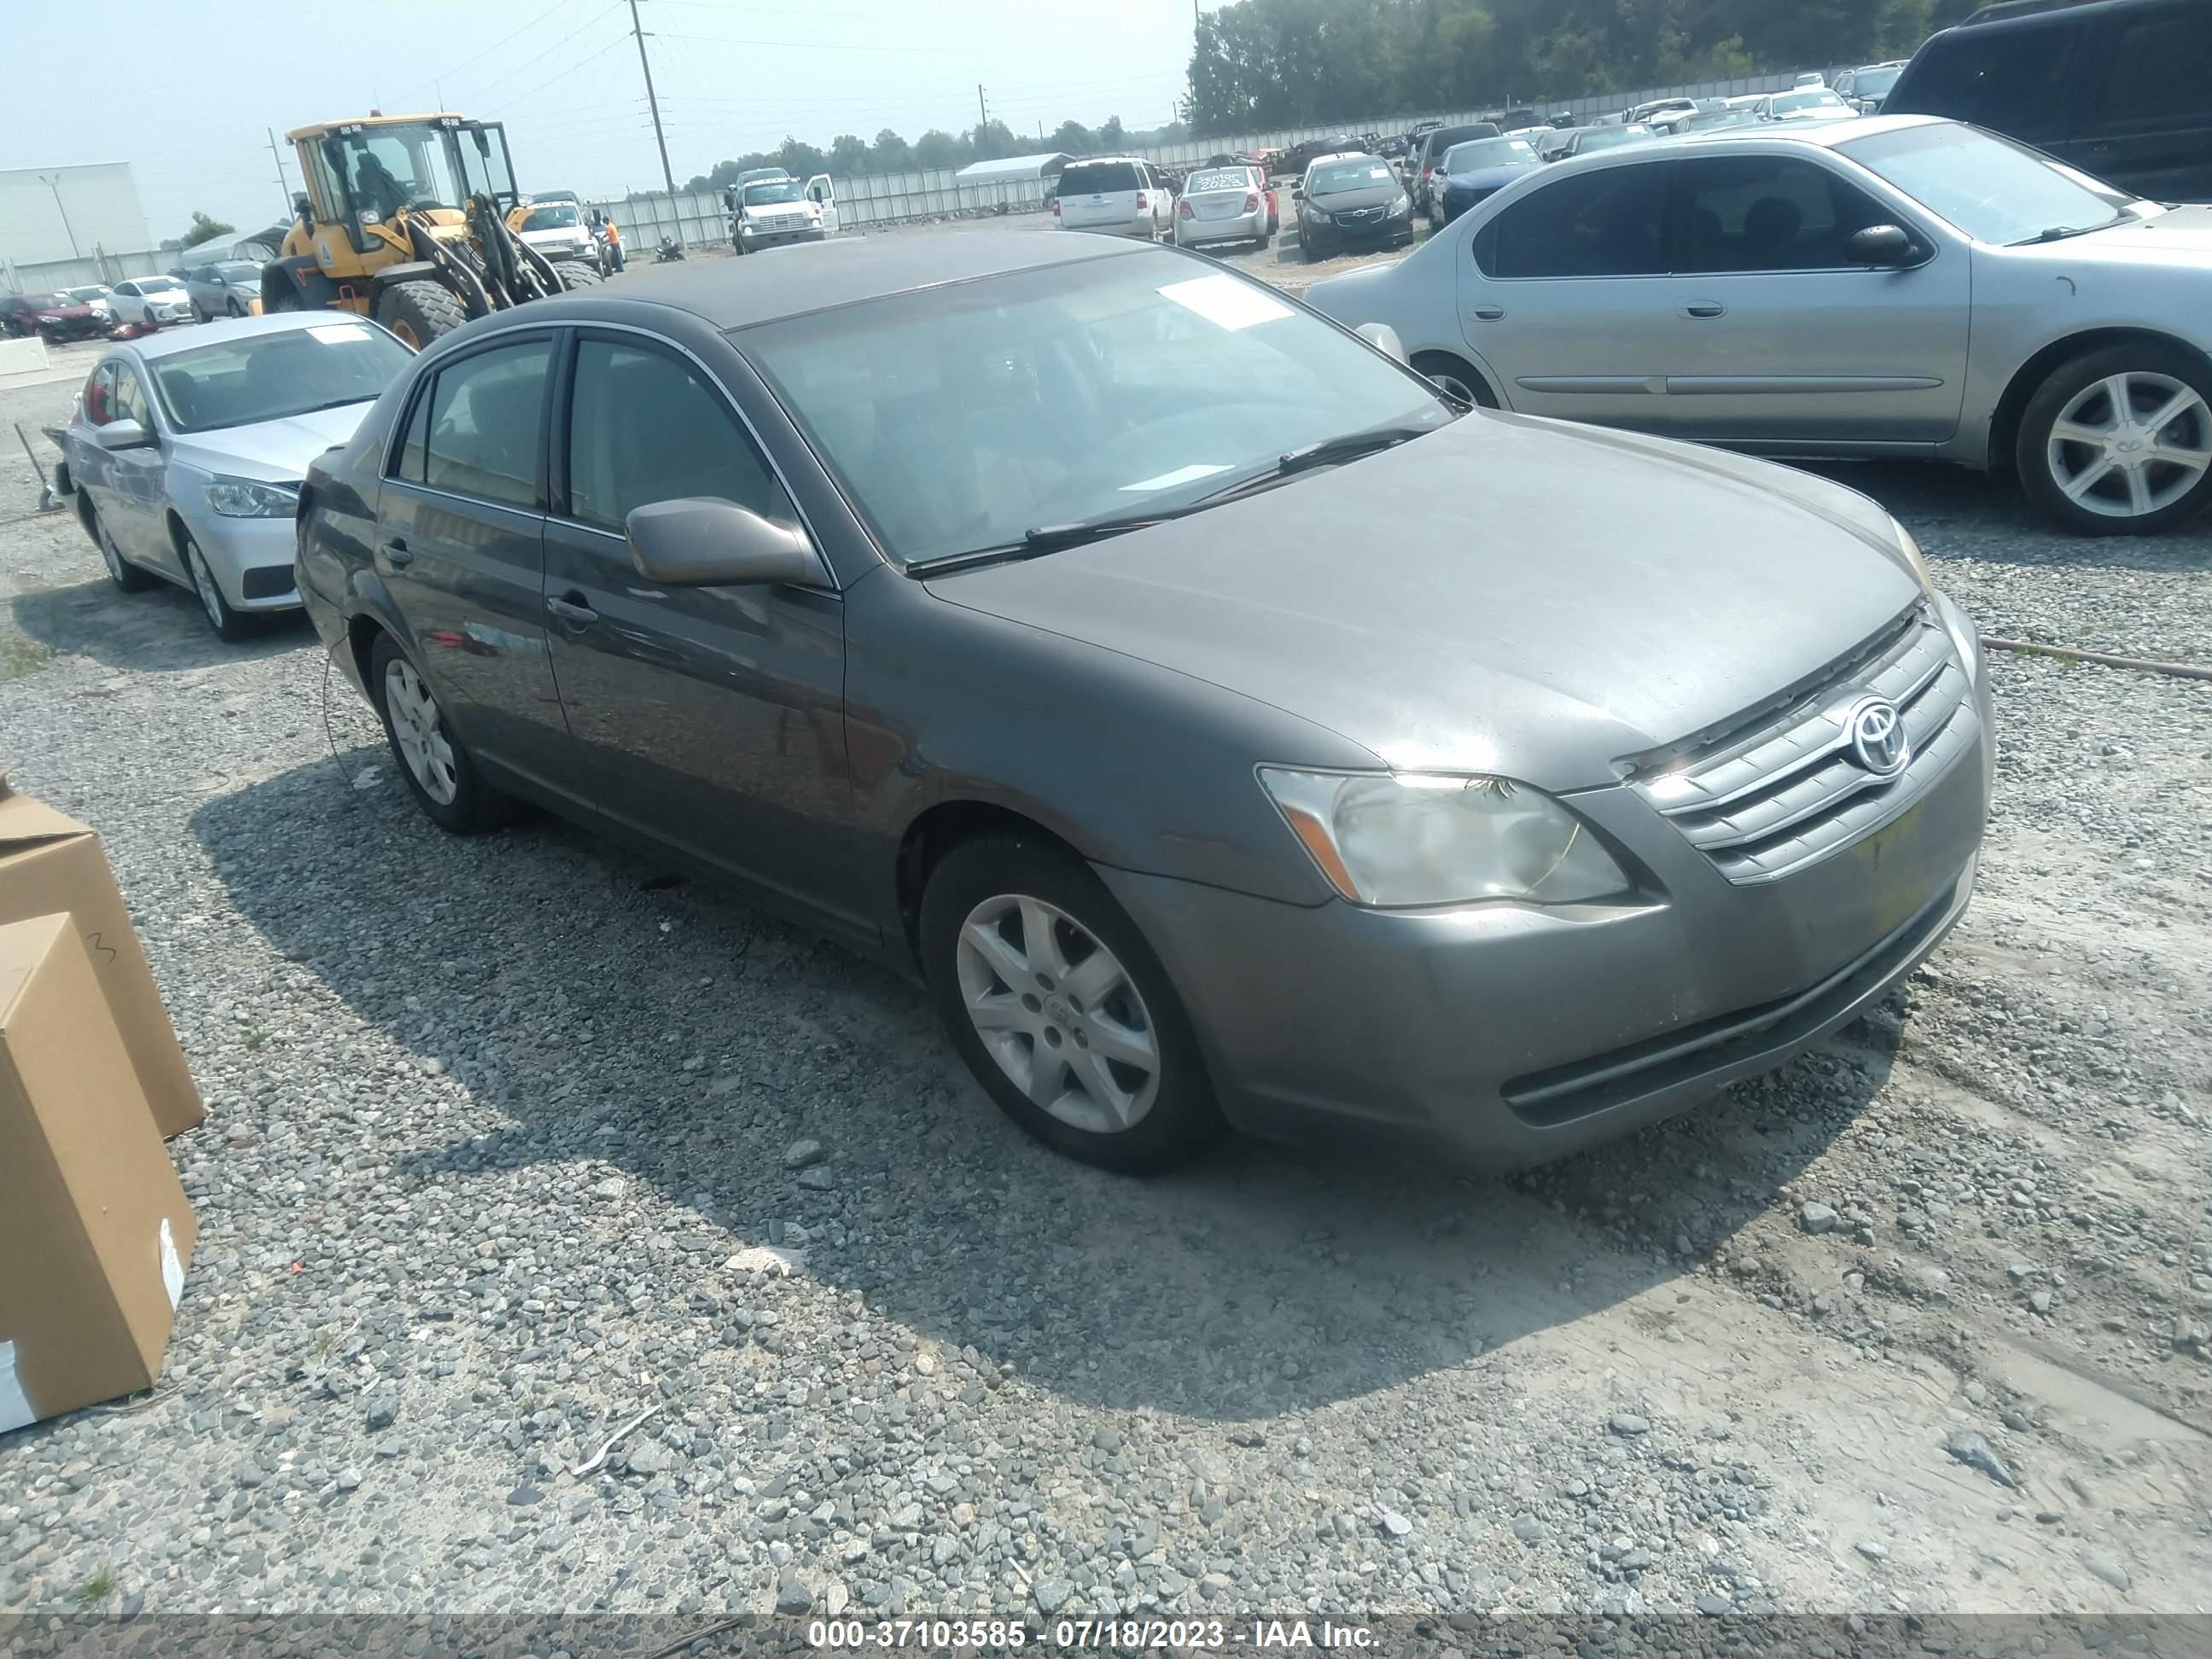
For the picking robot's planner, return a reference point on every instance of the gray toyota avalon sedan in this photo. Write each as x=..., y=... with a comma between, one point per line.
x=1076, y=626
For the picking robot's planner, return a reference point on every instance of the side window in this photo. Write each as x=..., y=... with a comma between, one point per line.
x=2161, y=72
x=642, y=428
x=129, y=401
x=100, y=396
x=485, y=411
x=411, y=462
x=128, y=288
x=1607, y=223
x=2018, y=83
x=1766, y=213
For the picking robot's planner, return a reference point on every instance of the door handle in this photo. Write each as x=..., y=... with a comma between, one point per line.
x=572, y=609
x=1490, y=314
x=396, y=551
x=1704, y=308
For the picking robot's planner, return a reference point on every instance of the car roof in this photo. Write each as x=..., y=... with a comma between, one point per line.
x=168, y=343
x=792, y=282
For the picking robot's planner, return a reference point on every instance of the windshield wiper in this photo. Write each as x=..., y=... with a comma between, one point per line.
x=2060, y=232
x=1051, y=539
x=1329, y=452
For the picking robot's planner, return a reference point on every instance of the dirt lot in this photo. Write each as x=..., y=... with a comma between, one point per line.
x=511, y=1139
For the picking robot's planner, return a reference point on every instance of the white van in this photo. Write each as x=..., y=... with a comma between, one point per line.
x=1116, y=195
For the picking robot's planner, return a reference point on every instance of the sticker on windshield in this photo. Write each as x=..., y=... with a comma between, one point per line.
x=1225, y=301
x=1182, y=475
x=338, y=333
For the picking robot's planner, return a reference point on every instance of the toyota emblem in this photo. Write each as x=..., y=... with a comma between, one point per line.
x=1878, y=740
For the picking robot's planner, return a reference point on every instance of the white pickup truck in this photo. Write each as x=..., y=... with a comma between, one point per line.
x=767, y=212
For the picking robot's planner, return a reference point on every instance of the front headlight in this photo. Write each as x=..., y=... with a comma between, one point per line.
x=1403, y=205
x=244, y=498
x=1398, y=841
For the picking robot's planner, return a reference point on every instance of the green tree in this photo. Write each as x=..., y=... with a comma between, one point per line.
x=1111, y=136
x=892, y=153
x=937, y=149
x=848, y=154
x=1072, y=138
x=205, y=229
x=800, y=160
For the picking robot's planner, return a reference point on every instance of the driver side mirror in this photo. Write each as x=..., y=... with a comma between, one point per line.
x=703, y=541
x=1384, y=338
x=1885, y=247
x=122, y=434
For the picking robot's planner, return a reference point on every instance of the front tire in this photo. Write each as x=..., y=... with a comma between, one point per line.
x=1060, y=1009
x=439, y=772
x=419, y=312
x=576, y=273
x=2119, y=442
x=230, y=626
x=232, y=308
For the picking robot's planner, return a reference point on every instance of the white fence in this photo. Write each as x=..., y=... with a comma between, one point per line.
x=101, y=267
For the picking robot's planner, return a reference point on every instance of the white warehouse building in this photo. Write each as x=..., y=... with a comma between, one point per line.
x=65, y=212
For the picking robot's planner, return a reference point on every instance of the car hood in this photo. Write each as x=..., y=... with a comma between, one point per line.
x=1346, y=201
x=63, y=313
x=1505, y=594
x=2180, y=235
x=556, y=234
x=770, y=210
x=1495, y=178
x=274, y=451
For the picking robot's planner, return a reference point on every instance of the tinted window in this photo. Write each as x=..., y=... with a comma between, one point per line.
x=485, y=414
x=2013, y=80
x=1488, y=153
x=2161, y=71
x=1097, y=178
x=130, y=288
x=1767, y=213
x=643, y=428
x=410, y=463
x=1602, y=224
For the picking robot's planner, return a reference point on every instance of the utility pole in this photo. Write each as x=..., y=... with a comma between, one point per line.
x=667, y=176
x=283, y=185
x=982, y=115
x=54, y=185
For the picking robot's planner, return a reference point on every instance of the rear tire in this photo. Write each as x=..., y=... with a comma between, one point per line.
x=439, y=772
x=419, y=312
x=2120, y=486
x=1062, y=1044
x=1456, y=378
x=127, y=577
x=576, y=273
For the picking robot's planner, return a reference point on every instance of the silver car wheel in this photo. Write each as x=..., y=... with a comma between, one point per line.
x=1452, y=386
x=203, y=584
x=1058, y=1013
x=418, y=731
x=2130, y=444
x=110, y=554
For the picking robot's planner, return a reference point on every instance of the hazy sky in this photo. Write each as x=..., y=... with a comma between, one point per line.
x=184, y=93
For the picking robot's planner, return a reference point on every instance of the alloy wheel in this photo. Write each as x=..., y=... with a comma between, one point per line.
x=2130, y=444
x=418, y=730
x=203, y=584
x=1058, y=1013
x=111, y=555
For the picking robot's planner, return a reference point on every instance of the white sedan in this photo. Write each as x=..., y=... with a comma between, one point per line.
x=151, y=299
x=185, y=452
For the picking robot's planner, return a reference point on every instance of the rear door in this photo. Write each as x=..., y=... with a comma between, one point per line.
x=1772, y=334
x=2148, y=127
x=461, y=548
x=709, y=717
x=1564, y=295
x=1101, y=196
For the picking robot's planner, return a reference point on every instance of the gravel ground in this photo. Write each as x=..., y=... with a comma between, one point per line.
x=513, y=1139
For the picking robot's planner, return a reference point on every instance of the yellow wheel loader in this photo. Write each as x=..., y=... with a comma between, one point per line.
x=406, y=219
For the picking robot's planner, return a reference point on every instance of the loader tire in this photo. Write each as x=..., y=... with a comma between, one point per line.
x=575, y=273
x=419, y=312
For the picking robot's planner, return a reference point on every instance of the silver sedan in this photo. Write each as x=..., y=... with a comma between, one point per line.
x=1888, y=286
x=185, y=452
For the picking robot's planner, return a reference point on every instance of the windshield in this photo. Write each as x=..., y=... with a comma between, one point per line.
x=562, y=216
x=1340, y=176
x=159, y=285
x=1876, y=83
x=388, y=168
x=266, y=376
x=1796, y=103
x=1488, y=153
x=84, y=295
x=1606, y=137
x=1992, y=189
x=960, y=416
x=238, y=270
x=46, y=301
x=776, y=190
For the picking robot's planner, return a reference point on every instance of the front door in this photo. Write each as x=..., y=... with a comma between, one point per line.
x=1560, y=291
x=462, y=523
x=712, y=717
x=823, y=195
x=1774, y=335
x=137, y=516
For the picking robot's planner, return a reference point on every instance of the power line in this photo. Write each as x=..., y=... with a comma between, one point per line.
x=607, y=10
x=535, y=22
x=559, y=75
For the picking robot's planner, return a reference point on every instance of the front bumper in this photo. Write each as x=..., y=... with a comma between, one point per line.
x=1506, y=1034
x=251, y=560
x=755, y=239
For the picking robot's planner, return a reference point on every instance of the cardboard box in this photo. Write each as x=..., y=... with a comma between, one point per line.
x=49, y=862
x=95, y=1232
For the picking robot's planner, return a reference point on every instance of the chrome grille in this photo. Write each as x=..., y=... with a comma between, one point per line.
x=1763, y=801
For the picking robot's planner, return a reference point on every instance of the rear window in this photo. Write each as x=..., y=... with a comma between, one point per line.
x=1219, y=178
x=1099, y=179
x=1445, y=137
x=1488, y=153
x=2013, y=81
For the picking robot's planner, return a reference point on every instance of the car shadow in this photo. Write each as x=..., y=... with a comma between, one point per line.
x=1954, y=513
x=158, y=631
x=601, y=1012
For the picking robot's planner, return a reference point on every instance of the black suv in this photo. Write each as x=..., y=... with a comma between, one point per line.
x=2120, y=88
